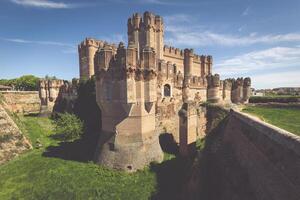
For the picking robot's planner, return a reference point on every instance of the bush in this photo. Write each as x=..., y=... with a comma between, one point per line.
x=276, y=99
x=68, y=127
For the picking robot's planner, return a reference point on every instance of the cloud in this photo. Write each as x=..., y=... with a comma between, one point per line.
x=178, y=18
x=153, y=2
x=278, y=79
x=159, y=2
x=260, y=61
x=192, y=37
x=246, y=11
x=43, y=4
x=52, y=43
x=183, y=31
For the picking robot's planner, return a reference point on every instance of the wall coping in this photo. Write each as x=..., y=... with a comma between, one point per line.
x=19, y=92
x=283, y=137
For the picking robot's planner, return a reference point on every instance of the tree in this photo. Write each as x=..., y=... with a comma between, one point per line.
x=27, y=83
x=68, y=126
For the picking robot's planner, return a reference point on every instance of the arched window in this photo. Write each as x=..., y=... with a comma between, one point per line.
x=167, y=90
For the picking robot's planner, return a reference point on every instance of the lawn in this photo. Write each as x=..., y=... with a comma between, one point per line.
x=36, y=176
x=285, y=118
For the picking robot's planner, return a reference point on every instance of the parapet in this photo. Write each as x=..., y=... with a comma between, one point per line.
x=91, y=42
x=206, y=59
x=247, y=82
x=173, y=52
x=227, y=84
x=213, y=81
x=239, y=82
x=149, y=20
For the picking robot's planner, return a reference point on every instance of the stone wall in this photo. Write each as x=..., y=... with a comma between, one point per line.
x=21, y=102
x=246, y=158
x=12, y=142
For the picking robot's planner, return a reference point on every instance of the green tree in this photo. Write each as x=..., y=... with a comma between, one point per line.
x=68, y=126
x=27, y=83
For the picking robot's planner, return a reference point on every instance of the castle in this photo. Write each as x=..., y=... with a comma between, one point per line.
x=147, y=89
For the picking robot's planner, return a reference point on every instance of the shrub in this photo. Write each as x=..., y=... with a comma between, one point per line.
x=276, y=99
x=68, y=127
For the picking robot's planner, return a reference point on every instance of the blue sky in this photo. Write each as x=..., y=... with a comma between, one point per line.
x=256, y=38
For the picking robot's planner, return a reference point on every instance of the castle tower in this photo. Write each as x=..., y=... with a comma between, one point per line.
x=206, y=65
x=188, y=65
x=86, y=51
x=146, y=31
x=237, y=91
x=209, y=64
x=126, y=95
x=227, y=85
x=213, y=88
x=246, y=90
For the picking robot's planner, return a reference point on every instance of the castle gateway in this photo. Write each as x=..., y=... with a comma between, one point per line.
x=141, y=88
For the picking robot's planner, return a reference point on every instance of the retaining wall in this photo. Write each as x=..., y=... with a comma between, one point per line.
x=247, y=159
x=22, y=102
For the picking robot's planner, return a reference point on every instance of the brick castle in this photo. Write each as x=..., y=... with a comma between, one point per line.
x=142, y=88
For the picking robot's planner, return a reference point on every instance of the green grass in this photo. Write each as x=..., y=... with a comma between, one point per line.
x=34, y=176
x=285, y=118
x=36, y=129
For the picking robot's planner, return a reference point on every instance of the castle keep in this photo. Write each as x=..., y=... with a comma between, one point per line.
x=141, y=88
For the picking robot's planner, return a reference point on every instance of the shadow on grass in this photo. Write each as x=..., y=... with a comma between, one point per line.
x=81, y=150
x=170, y=174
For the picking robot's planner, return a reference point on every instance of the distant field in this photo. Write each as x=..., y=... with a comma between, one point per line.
x=285, y=118
x=35, y=176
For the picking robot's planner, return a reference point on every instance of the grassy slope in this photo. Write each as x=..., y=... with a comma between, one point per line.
x=33, y=176
x=285, y=118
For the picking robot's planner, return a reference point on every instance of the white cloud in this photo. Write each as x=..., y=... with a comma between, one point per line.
x=52, y=43
x=246, y=11
x=191, y=37
x=183, y=31
x=279, y=79
x=178, y=18
x=43, y=4
x=160, y=2
x=260, y=61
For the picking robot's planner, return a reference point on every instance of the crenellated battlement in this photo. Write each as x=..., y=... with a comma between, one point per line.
x=148, y=21
x=91, y=42
x=172, y=51
x=121, y=63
